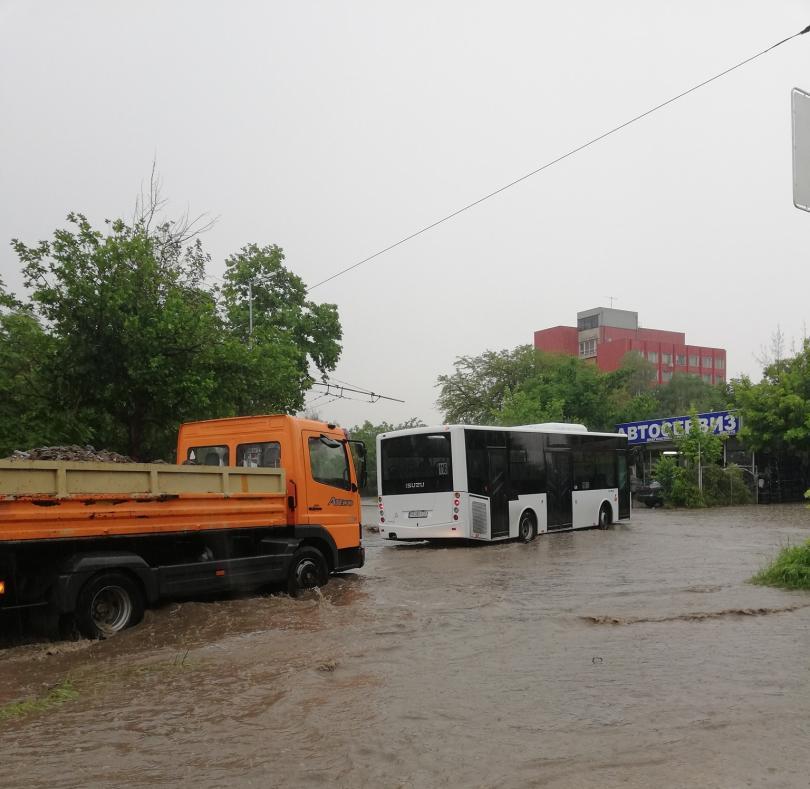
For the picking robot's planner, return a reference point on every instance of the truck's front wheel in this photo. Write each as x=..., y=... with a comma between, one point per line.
x=108, y=604
x=307, y=570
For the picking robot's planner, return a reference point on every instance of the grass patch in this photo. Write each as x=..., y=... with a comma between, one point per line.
x=789, y=570
x=63, y=692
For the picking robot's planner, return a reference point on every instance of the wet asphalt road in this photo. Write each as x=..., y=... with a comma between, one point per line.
x=634, y=657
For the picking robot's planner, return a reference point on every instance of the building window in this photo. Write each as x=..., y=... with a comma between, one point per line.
x=666, y=358
x=693, y=360
x=719, y=377
x=680, y=359
x=587, y=348
x=591, y=322
x=666, y=376
x=707, y=377
x=707, y=361
x=719, y=363
x=652, y=356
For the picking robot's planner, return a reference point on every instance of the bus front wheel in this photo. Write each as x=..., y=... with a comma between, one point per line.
x=527, y=528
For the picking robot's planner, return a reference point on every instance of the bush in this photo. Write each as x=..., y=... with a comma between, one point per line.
x=685, y=491
x=666, y=471
x=790, y=569
x=722, y=487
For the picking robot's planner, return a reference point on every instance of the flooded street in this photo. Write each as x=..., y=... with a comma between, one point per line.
x=637, y=656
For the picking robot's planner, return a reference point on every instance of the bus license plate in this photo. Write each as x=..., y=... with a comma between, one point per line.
x=418, y=514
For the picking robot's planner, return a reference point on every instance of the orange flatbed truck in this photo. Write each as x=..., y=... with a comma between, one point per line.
x=253, y=502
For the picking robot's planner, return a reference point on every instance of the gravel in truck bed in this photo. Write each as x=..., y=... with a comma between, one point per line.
x=72, y=452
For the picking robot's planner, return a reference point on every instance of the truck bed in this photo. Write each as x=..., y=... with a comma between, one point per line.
x=66, y=500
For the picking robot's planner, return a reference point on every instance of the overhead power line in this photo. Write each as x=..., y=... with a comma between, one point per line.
x=556, y=161
x=338, y=391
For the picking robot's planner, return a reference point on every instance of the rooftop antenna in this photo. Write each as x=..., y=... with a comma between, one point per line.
x=611, y=299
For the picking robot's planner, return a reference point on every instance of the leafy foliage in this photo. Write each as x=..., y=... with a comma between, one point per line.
x=697, y=447
x=687, y=394
x=526, y=386
x=666, y=471
x=133, y=331
x=776, y=411
x=476, y=391
x=124, y=340
x=25, y=415
x=725, y=486
x=700, y=453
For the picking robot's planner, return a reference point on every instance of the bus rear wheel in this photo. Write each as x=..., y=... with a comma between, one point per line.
x=605, y=516
x=527, y=528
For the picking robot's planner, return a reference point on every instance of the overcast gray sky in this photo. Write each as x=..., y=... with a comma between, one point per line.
x=333, y=129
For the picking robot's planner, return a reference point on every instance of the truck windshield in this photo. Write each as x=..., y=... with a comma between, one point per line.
x=418, y=463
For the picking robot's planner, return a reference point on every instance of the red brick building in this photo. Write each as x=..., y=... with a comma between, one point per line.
x=604, y=335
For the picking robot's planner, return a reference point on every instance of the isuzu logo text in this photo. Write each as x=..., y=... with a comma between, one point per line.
x=414, y=485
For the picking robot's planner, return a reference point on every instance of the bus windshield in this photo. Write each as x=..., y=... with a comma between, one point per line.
x=418, y=463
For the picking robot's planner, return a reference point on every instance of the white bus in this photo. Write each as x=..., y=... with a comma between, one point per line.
x=499, y=483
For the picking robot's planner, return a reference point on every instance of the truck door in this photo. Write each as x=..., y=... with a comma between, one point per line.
x=331, y=492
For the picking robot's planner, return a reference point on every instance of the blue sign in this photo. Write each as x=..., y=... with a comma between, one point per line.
x=719, y=423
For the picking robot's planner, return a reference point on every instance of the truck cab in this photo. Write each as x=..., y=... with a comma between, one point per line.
x=319, y=461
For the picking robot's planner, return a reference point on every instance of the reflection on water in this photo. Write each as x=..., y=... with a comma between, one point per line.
x=634, y=657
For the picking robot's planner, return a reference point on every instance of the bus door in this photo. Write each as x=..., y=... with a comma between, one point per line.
x=624, y=484
x=498, y=491
x=559, y=489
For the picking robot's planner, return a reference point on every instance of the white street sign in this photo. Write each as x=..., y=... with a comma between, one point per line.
x=800, y=105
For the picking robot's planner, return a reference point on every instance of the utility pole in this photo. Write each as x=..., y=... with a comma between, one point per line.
x=250, y=307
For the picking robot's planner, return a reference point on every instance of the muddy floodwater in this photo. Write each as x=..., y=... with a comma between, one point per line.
x=633, y=657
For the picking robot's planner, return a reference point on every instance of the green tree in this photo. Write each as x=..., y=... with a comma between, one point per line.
x=776, y=411
x=700, y=481
x=666, y=471
x=686, y=394
x=134, y=333
x=526, y=386
x=475, y=392
x=560, y=388
x=632, y=390
x=697, y=447
x=266, y=367
x=25, y=416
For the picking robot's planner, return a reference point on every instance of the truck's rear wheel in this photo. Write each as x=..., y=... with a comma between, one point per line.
x=108, y=604
x=307, y=570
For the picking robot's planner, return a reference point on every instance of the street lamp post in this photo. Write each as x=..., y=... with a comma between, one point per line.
x=250, y=307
